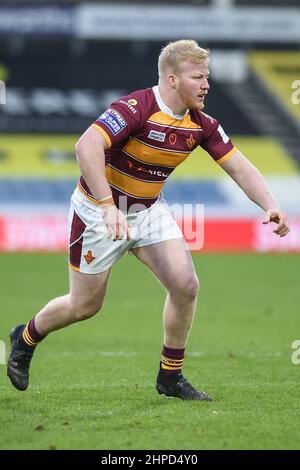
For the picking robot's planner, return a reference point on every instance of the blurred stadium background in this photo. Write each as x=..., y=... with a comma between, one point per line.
x=92, y=384
x=64, y=62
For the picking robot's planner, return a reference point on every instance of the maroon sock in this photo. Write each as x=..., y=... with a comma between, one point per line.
x=171, y=360
x=30, y=336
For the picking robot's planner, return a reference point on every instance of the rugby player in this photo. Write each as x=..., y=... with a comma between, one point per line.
x=125, y=157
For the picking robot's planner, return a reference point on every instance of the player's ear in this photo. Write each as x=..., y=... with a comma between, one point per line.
x=172, y=79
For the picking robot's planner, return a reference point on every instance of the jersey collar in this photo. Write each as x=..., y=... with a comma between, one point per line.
x=163, y=107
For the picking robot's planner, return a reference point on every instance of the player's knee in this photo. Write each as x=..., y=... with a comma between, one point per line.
x=88, y=312
x=192, y=287
x=187, y=287
x=85, y=310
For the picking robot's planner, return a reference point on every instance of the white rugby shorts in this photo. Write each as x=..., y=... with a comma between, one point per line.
x=91, y=252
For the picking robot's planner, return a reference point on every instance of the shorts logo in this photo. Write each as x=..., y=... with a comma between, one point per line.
x=154, y=135
x=113, y=120
x=89, y=257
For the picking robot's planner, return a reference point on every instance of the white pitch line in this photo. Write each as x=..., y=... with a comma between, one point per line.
x=93, y=353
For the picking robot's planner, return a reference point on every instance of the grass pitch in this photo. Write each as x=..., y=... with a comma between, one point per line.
x=92, y=384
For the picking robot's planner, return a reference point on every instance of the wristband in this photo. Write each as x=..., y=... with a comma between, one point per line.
x=107, y=201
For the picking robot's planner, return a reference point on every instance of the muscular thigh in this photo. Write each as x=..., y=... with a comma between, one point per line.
x=170, y=261
x=88, y=288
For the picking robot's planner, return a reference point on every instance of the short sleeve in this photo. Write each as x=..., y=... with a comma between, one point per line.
x=119, y=121
x=216, y=142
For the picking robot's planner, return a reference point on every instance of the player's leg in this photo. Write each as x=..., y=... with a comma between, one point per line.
x=171, y=262
x=85, y=298
x=91, y=255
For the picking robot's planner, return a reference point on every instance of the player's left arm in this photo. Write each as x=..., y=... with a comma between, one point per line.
x=254, y=186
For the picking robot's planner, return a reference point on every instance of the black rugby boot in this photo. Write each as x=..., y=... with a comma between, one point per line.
x=19, y=359
x=176, y=385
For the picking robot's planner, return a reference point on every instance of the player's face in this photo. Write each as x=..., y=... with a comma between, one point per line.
x=192, y=84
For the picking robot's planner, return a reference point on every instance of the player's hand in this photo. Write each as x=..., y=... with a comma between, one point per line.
x=116, y=224
x=280, y=218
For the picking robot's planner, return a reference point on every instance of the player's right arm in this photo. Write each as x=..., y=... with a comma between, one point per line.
x=90, y=155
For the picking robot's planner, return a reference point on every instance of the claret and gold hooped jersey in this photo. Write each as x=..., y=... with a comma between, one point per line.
x=146, y=142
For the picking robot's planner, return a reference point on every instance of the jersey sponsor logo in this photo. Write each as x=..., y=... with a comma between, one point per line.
x=172, y=138
x=132, y=166
x=155, y=135
x=89, y=257
x=129, y=105
x=113, y=120
x=190, y=141
x=158, y=173
x=222, y=133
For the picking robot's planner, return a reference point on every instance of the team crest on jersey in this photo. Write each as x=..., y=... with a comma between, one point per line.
x=190, y=141
x=155, y=135
x=133, y=102
x=113, y=120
